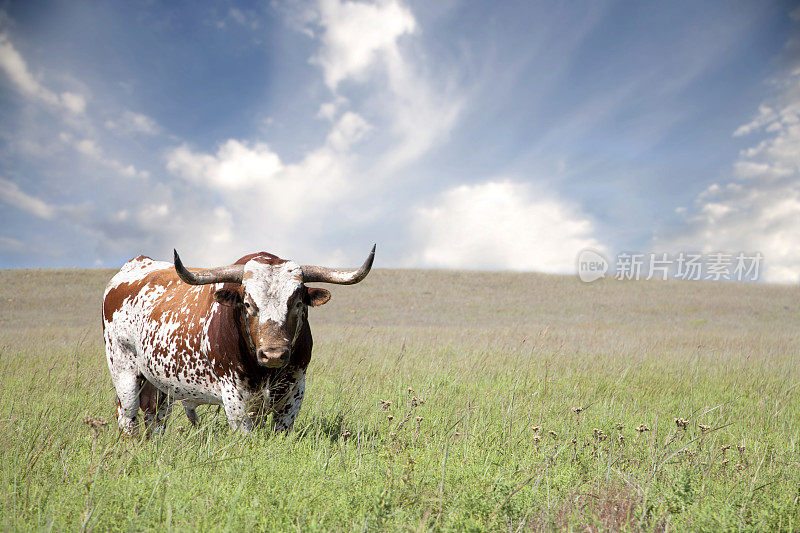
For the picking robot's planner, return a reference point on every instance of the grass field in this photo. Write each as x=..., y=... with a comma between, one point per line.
x=436, y=400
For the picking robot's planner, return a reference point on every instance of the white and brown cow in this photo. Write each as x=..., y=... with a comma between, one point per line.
x=236, y=336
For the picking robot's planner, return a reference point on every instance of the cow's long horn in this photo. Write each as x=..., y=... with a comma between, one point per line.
x=340, y=277
x=204, y=276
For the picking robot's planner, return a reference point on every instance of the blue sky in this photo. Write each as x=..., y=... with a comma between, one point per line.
x=499, y=135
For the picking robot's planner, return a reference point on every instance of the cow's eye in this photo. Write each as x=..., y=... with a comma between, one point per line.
x=299, y=304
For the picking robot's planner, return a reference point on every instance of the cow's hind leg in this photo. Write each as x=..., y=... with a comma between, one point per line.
x=191, y=413
x=120, y=357
x=156, y=406
x=127, y=388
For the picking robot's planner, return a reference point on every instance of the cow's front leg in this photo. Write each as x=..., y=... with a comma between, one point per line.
x=288, y=397
x=236, y=410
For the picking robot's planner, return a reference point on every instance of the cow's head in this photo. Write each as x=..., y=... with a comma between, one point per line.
x=273, y=298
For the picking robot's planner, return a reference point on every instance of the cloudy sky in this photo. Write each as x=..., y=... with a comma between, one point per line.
x=455, y=134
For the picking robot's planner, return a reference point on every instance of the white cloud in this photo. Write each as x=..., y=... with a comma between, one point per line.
x=759, y=208
x=422, y=116
x=91, y=149
x=235, y=166
x=204, y=232
x=12, y=195
x=302, y=200
x=357, y=34
x=210, y=231
x=247, y=18
x=329, y=110
x=8, y=244
x=130, y=122
x=360, y=42
x=74, y=103
x=15, y=67
x=500, y=225
x=350, y=129
x=253, y=177
x=237, y=15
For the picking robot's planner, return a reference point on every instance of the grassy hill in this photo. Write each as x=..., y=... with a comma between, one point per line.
x=545, y=403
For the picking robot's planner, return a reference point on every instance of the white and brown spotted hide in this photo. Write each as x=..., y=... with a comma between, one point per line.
x=244, y=346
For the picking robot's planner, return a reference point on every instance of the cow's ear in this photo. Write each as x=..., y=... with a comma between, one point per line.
x=316, y=297
x=228, y=297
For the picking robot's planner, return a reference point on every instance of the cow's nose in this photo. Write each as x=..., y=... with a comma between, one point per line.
x=273, y=356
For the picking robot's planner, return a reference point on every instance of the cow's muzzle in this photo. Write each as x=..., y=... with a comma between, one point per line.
x=274, y=357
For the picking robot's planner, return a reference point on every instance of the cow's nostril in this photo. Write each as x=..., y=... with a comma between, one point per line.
x=280, y=353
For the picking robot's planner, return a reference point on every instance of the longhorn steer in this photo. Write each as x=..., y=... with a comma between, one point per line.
x=236, y=336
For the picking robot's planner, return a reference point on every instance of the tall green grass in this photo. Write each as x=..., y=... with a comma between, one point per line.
x=446, y=401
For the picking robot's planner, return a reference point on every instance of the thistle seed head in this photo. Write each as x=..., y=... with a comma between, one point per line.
x=681, y=423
